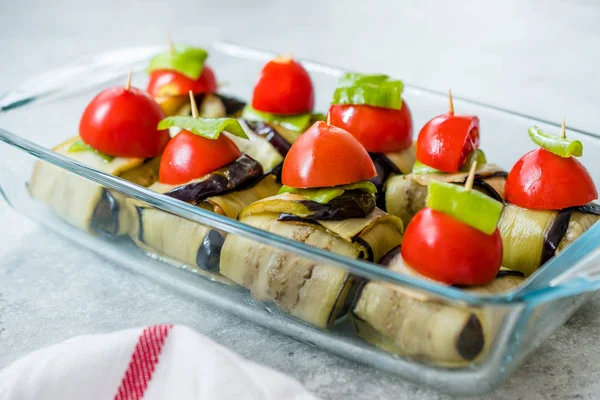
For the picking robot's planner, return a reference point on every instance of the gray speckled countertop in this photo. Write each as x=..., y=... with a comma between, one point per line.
x=540, y=58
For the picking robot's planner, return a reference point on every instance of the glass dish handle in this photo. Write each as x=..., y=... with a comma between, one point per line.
x=78, y=76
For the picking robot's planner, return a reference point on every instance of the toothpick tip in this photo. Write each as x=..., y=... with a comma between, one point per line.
x=193, y=105
x=450, y=102
x=171, y=45
x=128, y=82
x=563, y=128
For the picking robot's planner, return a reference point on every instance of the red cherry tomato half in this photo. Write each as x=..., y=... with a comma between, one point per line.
x=325, y=156
x=190, y=156
x=165, y=83
x=445, y=142
x=379, y=130
x=122, y=123
x=449, y=251
x=542, y=180
x=284, y=87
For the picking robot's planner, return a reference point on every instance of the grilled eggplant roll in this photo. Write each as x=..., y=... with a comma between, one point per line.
x=314, y=293
x=550, y=202
x=532, y=237
x=85, y=204
x=409, y=323
x=326, y=202
x=225, y=191
x=405, y=195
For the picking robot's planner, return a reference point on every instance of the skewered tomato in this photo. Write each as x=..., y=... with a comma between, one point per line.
x=542, y=180
x=445, y=142
x=445, y=249
x=121, y=122
x=326, y=156
x=165, y=83
x=189, y=156
x=284, y=87
x=379, y=130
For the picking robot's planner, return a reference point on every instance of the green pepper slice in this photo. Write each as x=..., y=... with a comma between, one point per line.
x=186, y=60
x=375, y=90
x=209, y=128
x=469, y=206
x=561, y=146
x=296, y=123
x=325, y=195
x=80, y=145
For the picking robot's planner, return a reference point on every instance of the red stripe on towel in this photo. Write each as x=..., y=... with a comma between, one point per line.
x=143, y=362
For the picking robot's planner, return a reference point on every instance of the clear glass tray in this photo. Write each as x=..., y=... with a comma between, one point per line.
x=45, y=111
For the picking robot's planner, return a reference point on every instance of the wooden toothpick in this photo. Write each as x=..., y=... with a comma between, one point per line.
x=171, y=45
x=563, y=129
x=450, y=102
x=128, y=82
x=193, y=104
x=328, y=120
x=471, y=177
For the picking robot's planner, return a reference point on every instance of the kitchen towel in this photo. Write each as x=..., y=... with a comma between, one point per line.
x=157, y=362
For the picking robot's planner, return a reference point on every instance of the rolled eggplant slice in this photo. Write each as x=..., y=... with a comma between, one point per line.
x=532, y=237
x=265, y=143
x=180, y=241
x=314, y=293
x=405, y=195
x=85, y=204
x=409, y=323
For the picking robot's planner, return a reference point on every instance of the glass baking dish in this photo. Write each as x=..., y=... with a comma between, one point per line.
x=45, y=111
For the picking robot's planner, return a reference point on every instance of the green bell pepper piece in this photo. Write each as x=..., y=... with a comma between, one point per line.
x=209, y=128
x=325, y=195
x=296, y=123
x=469, y=206
x=375, y=90
x=558, y=145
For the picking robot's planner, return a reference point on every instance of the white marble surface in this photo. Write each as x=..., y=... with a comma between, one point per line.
x=536, y=57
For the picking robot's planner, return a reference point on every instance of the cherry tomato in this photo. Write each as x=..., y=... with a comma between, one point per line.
x=326, y=156
x=450, y=251
x=542, y=180
x=165, y=83
x=188, y=157
x=379, y=130
x=284, y=87
x=122, y=122
x=445, y=142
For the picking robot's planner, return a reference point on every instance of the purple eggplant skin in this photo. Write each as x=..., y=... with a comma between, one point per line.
x=384, y=167
x=352, y=204
x=105, y=220
x=271, y=135
x=208, y=257
x=233, y=105
x=245, y=171
x=555, y=233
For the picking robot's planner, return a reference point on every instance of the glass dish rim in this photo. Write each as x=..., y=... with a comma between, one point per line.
x=528, y=293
